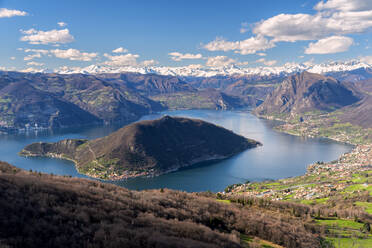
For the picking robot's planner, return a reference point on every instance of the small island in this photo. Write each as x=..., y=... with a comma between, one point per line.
x=146, y=148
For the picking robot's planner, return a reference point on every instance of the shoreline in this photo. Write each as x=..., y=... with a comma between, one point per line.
x=115, y=178
x=310, y=166
x=283, y=122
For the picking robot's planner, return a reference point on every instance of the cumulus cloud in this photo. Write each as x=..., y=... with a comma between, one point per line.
x=28, y=50
x=176, y=56
x=248, y=46
x=73, y=54
x=244, y=27
x=344, y=5
x=7, y=13
x=195, y=66
x=13, y=58
x=149, y=62
x=120, y=50
x=334, y=17
x=54, y=36
x=333, y=44
x=121, y=60
x=366, y=59
x=220, y=61
x=266, y=62
x=33, y=70
x=62, y=24
x=33, y=63
x=32, y=56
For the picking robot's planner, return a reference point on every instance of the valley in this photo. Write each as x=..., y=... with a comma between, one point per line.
x=186, y=124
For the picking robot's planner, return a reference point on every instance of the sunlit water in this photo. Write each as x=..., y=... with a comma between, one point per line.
x=280, y=156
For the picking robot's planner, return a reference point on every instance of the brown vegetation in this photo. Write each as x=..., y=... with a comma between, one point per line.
x=39, y=210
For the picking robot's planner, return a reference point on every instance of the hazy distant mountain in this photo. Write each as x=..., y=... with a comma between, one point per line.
x=147, y=148
x=307, y=92
x=53, y=100
x=150, y=84
x=192, y=93
x=23, y=106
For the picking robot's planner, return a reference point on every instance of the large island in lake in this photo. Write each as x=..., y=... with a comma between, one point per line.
x=146, y=148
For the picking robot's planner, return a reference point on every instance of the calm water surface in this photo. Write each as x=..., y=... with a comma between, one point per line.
x=280, y=156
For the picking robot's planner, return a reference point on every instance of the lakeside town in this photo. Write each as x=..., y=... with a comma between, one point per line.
x=351, y=173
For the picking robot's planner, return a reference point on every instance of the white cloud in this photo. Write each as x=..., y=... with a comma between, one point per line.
x=28, y=50
x=120, y=50
x=47, y=37
x=121, y=60
x=176, y=56
x=32, y=56
x=33, y=70
x=6, y=13
x=33, y=63
x=195, y=66
x=73, y=54
x=334, y=17
x=261, y=54
x=2, y=68
x=62, y=24
x=344, y=5
x=149, y=62
x=244, y=27
x=220, y=61
x=366, y=59
x=266, y=62
x=333, y=44
x=13, y=58
x=248, y=46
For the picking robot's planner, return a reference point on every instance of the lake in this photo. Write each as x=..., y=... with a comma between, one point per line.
x=281, y=155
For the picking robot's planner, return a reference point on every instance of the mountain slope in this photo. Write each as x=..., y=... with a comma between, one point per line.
x=108, y=101
x=40, y=210
x=22, y=105
x=53, y=100
x=359, y=114
x=150, y=84
x=307, y=92
x=147, y=148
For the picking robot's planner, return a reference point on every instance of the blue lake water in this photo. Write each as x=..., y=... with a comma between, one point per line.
x=280, y=156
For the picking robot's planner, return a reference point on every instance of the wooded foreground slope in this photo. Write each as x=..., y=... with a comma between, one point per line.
x=39, y=210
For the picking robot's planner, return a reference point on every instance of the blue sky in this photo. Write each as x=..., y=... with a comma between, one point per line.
x=208, y=33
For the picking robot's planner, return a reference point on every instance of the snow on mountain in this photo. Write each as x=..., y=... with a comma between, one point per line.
x=200, y=71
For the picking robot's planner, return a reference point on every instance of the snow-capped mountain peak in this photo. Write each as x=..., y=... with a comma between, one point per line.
x=200, y=71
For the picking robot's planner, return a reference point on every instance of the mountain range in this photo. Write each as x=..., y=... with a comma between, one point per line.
x=42, y=100
x=200, y=71
x=64, y=100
